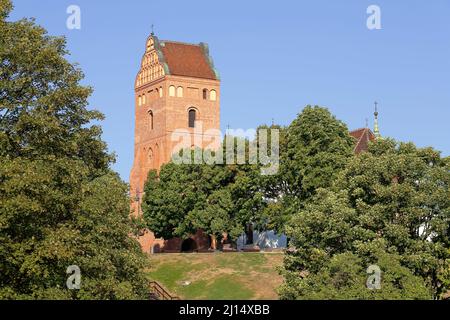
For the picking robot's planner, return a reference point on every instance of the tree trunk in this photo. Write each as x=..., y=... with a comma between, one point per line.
x=249, y=234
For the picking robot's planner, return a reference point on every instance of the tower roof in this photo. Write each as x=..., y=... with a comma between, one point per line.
x=362, y=136
x=163, y=57
x=189, y=60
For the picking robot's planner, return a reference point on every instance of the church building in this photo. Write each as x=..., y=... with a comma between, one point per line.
x=177, y=88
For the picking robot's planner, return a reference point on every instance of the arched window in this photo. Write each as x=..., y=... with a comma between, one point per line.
x=156, y=156
x=150, y=114
x=139, y=101
x=172, y=91
x=150, y=154
x=192, y=118
x=213, y=95
x=150, y=161
x=160, y=92
x=205, y=94
x=180, y=92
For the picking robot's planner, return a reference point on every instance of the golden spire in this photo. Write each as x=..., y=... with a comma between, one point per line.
x=376, y=129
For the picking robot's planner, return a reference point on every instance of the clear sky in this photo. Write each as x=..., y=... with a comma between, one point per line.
x=274, y=57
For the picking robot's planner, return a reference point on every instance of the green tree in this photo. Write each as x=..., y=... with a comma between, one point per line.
x=60, y=204
x=175, y=204
x=344, y=277
x=318, y=146
x=218, y=198
x=314, y=148
x=389, y=207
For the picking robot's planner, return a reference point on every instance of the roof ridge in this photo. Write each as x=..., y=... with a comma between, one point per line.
x=180, y=42
x=187, y=59
x=363, y=136
x=359, y=129
x=360, y=140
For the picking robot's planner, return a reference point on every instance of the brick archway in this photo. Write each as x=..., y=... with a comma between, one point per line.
x=188, y=245
x=156, y=248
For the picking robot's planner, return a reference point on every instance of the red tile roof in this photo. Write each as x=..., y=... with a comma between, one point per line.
x=187, y=60
x=362, y=136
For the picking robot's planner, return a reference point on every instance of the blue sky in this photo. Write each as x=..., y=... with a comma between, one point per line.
x=274, y=57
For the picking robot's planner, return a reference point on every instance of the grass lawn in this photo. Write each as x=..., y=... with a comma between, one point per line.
x=218, y=276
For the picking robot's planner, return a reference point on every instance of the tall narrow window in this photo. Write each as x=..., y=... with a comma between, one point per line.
x=213, y=95
x=172, y=91
x=205, y=94
x=192, y=118
x=140, y=101
x=150, y=158
x=180, y=92
x=160, y=92
x=150, y=115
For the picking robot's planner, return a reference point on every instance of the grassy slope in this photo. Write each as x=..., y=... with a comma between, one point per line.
x=218, y=276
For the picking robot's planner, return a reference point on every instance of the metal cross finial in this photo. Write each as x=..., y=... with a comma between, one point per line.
x=152, y=29
x=376, y=107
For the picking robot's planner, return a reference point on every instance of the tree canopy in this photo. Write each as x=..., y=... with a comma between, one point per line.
x=224, y=198
x=389, y=207
x=60, y=203
x=314, y=148
x=216, y=198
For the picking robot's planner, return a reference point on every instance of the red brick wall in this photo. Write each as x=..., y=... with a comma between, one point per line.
x=169, y=114
x=150, y=244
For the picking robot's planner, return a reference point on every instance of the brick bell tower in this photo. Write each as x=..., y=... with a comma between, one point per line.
x=176, y=89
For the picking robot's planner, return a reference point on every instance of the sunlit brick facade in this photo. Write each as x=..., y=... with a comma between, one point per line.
x=176, y=84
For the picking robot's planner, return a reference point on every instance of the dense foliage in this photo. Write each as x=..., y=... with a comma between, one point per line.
x=60, y=204
x=390, y=207
x=314, y=148
x=215, y=198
